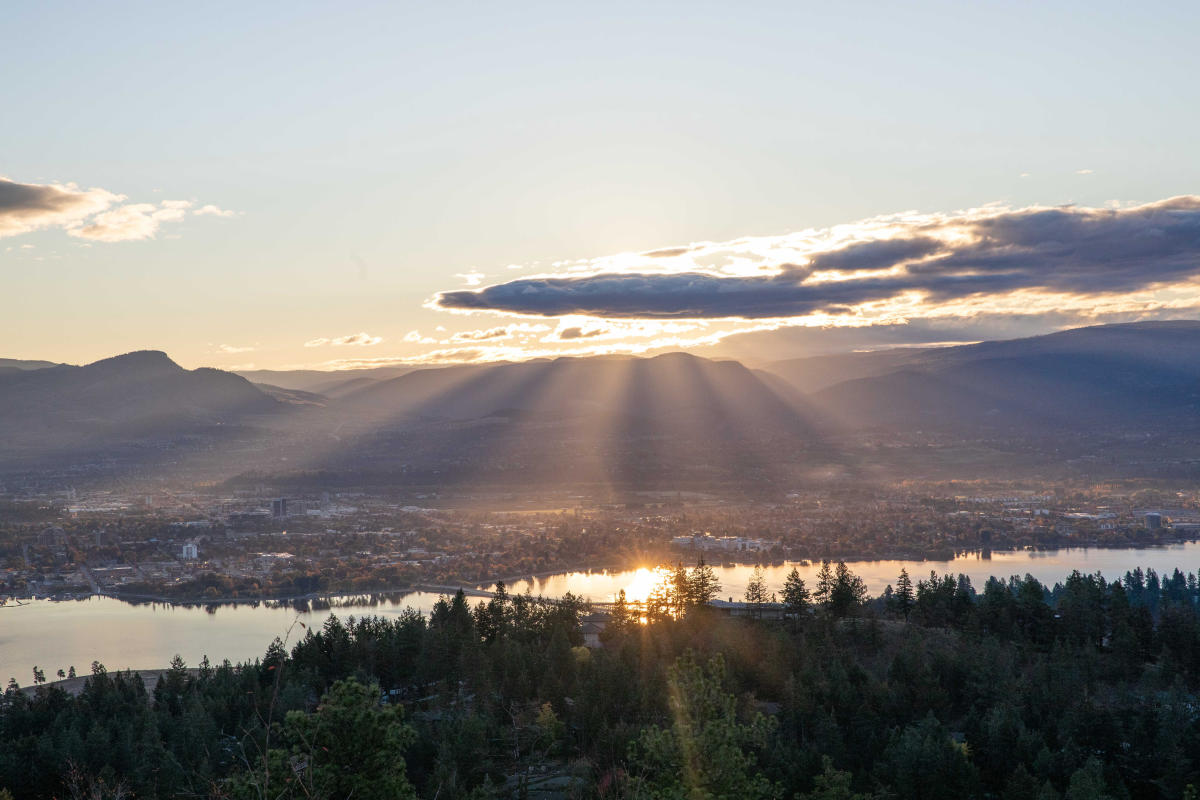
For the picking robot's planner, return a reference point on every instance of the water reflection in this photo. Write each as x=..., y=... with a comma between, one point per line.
x=146, y=635
x=1048, y=566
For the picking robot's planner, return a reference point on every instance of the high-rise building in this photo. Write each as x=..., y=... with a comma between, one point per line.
x=279, y=508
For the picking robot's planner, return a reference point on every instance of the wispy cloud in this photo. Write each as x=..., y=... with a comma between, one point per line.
x=509, y=331
x=131, y=222
x=213, y=211
x=93, y=214
x=26, y=207
x=361, y=339
x=579, y=332
x=482, y=336
x=472, y=278
x=230, y=349
x=415, y=337
x=489, y=352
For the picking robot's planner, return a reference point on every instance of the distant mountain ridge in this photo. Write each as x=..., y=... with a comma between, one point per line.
x=319, y=381
x=1088, y=396
x=18, y=364
x=1161, y=342
x=669, y=387
x=127, y=395
x=1139, y=376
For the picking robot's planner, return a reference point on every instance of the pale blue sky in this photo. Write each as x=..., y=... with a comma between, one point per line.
x=375, y=151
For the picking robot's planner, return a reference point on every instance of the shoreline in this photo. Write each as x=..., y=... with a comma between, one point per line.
x=478, y=589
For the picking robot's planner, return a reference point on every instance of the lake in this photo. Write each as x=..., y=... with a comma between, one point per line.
x=54, y=635
x=1048, y=566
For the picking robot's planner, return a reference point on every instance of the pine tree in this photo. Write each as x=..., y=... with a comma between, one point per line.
x=620, y=620
x=795, y=593
x=824, y=582
x=495, y=616
x=756, y=590
x=903, y=598
x=680, y=592
x=832, y=784
x=350, y=746
x=658, y=604
x=703, y=584
x=1088, y=782
x=848, y=591
x=709, y=751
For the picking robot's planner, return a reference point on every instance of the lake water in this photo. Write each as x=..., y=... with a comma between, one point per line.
x=1048, y=566
x=58, y=635
x=54, y=635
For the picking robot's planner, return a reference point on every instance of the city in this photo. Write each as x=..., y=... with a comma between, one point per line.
x=600, y=401
x=197, y=548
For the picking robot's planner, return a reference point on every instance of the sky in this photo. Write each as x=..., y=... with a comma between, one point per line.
x=336, y=185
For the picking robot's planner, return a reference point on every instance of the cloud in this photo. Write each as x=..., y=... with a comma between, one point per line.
x=93, y=214
x=229, y=348
x=1084, y=171
x=132, y=222
x=26, y=207
x=213, y=211
x=909, y=264
x=415, y=337
x=577, y=332
x=481, y=336
x=362, y=339
x=667, y=252
x=472, y=278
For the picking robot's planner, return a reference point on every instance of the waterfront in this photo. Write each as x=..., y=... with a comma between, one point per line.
x=121, y=635
x=54, y=635
x=1048, y=566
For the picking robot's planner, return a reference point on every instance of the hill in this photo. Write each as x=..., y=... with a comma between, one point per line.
x=134, y=397
x=1165, y=343
x=22, y=365
x=319, y=381
x=675, y=417
x=1137, y=377
x=1107, y=401
x=671, y=389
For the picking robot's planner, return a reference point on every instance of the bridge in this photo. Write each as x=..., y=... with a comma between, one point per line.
x=434, y=588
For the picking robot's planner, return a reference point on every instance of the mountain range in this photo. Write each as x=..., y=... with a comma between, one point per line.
x=1095, y=399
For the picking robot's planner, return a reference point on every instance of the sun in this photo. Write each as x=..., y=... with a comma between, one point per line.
x=641, y=584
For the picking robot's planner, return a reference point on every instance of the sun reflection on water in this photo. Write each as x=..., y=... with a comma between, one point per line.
x=642, y=582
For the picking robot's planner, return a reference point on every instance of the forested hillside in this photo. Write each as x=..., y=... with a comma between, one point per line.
x=933, y=690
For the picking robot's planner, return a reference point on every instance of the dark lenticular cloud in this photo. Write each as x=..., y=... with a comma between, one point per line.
x=1081, y=251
